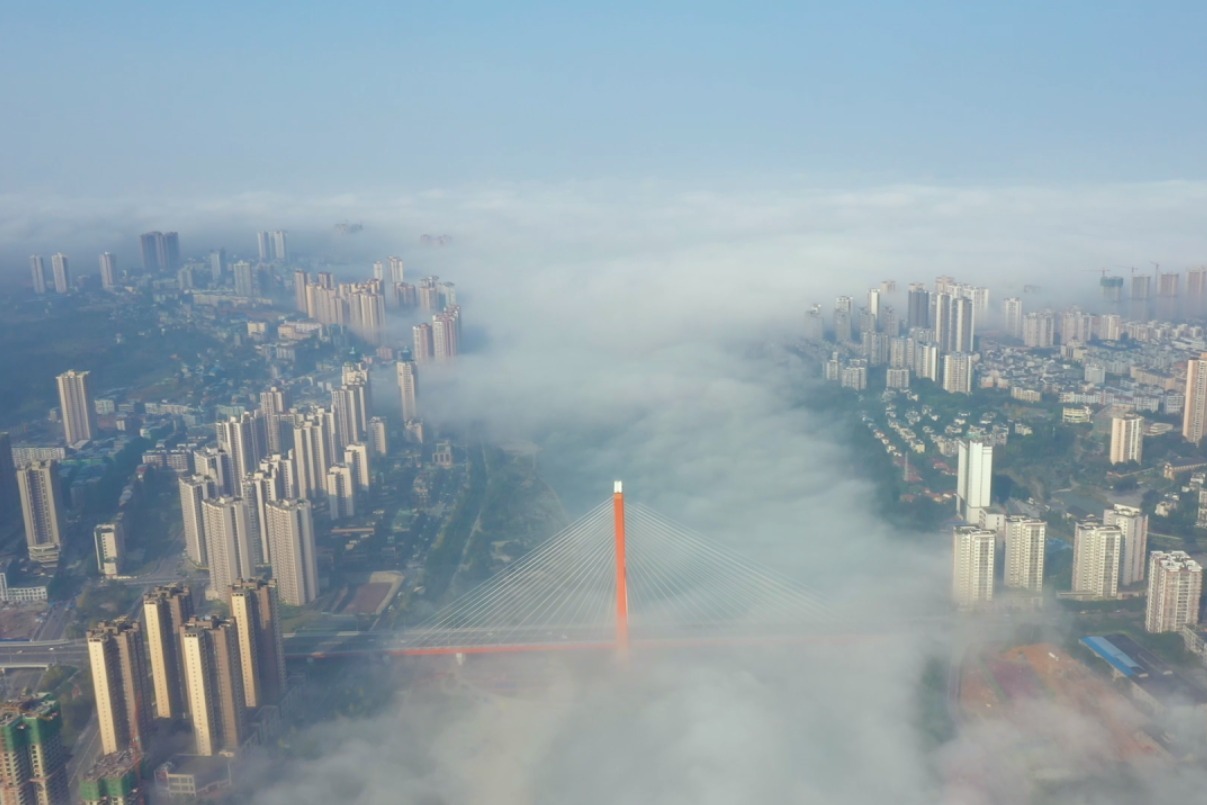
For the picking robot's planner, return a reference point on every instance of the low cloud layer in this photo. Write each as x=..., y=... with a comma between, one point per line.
x=638, y=333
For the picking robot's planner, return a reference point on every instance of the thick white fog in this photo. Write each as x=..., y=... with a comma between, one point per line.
x=639, y=333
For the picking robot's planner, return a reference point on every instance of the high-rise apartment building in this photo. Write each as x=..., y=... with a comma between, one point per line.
x=974, y=479
x=1012, y=310
x=1039, y=330
x=1127, y=438
x=291, y=534
x=1110, y=327
x=217, y=261
x=443, y=339
x=165, y=610
x=312, y=452
x=421, y=334
x=379, y=436
x=1194, y=412
x=217, y=465
x=429, y=294
x=815, y=324
x=917, y=312
x=117, y=655
x=42, y=509
x=1196, y=290
x=448, y=294
x=61, y=272
x=1133, y=525
x=350, y=404
x=10, y=499
x=264, y=246
x=272, y=246
x=397, y=273
x=408, y=387
x=280, y=471
x=247, y=279
x=242, y=438
x=957, y=372
x=340, y=487
x=356, y=456
x=214, y=680
x=110, y=540
x=1076, y=326
x=1025, y=543
x=195, y=490
x=1175, y=591
x=1096, y=557
x=230, y=543
x=108, y=271
x=972, y=565
x=941, y=321
x=76, y=407
x=37, y=267
x=261, y=649
x=280, y=247
x=33, y=761
x=963, y=328
x=160, y=252
x=274, y=407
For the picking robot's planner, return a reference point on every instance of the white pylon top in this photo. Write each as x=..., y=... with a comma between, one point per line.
x=617, y=487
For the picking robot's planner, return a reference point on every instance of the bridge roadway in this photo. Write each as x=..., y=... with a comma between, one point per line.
x=416, y=642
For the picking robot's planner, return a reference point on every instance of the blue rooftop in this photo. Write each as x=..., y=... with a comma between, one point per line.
x=1108, y=651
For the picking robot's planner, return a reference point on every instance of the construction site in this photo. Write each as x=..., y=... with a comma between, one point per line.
x=1034, y=713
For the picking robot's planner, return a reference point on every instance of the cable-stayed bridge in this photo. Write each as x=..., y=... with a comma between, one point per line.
x=620, y=576
x=617, y=577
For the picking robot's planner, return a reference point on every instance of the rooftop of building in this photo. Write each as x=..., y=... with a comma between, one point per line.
x=113, y=765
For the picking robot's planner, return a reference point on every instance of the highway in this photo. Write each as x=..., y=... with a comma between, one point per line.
x=43, y=653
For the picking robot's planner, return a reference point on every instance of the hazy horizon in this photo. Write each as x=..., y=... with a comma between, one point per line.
x=642, y=203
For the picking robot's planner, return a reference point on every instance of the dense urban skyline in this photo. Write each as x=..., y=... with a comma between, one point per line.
x=329, y=325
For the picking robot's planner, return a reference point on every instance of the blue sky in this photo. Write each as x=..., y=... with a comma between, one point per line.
x=158, y=99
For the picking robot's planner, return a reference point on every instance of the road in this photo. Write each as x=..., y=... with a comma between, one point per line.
x=85, y=752
x=43, y=653
x=55, y=622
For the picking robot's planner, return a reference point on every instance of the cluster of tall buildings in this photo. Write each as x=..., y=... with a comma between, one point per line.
x=934, y=339
x=359, y=306
x=209, y=672
x=160, y=252
x=974, y=559
x=60, y=274
x=38, y=487
x=440, y=341
x=1107, y=554
x=975, y=545
x=250, y=502
x=272, y=246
